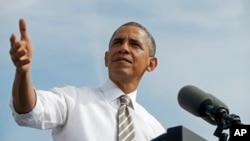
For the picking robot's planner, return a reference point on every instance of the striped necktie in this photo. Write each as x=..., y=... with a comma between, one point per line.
x=126, y=125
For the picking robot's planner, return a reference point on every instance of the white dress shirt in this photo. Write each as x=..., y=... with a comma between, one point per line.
x=86, y=114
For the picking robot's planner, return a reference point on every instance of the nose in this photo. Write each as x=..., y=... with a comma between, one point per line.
x=124, y=48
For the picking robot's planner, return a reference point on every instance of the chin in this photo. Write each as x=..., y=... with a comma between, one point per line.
x=120, y=73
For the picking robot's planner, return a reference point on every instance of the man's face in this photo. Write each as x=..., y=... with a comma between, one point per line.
x=129, y=53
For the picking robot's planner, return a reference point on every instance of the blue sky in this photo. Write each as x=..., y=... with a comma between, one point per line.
x=203, y=43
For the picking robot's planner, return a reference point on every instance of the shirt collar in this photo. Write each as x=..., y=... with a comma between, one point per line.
x=111, y=92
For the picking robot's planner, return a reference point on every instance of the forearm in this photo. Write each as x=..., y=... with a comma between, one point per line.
x=24, y=97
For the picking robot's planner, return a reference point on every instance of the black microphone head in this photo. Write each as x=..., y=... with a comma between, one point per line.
x=195, y=101
x=215, y=102
x=191, y=98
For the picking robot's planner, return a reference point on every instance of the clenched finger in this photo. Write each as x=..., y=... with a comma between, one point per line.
x=13, y=39
x=18, y=50
x=21, y=63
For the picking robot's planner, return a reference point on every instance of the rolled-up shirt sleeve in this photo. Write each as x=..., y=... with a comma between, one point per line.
x=49, y=112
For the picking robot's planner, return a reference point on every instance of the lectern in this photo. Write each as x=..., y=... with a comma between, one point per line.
x=179, y=133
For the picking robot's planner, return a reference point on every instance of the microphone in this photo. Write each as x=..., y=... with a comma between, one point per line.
x=202, y=104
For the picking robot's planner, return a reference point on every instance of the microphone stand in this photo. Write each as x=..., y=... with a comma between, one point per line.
x=224, y=121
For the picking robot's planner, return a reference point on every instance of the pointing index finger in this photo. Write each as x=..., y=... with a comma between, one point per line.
x=23, y=30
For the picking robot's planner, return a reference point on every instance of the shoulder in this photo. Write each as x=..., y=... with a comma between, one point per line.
x=140, y=109
x=152, y=122
x=70, y=94
x=146, y=114
x=69, y=90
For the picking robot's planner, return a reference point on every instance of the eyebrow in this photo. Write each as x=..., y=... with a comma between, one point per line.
x=135, y=41
x=130, y=40
x=117, y=39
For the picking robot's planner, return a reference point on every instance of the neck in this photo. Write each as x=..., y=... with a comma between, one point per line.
x=127, y=86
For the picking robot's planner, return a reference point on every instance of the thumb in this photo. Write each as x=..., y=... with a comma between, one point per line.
x=23, y=30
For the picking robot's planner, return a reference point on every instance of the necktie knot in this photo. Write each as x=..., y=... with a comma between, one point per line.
x=124, y=99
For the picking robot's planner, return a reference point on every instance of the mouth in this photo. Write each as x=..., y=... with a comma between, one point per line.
x=122, y=59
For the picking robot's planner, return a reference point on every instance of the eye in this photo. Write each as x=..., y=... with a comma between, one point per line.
x=135, y=44
x=117, y=42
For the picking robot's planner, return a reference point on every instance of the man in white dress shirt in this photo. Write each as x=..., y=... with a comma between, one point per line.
x=87, y=114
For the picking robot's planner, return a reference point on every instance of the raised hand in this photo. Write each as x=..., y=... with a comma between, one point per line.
x=21, y=50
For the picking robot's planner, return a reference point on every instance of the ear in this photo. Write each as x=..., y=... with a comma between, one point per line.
x=106, y=59
x=152, y=64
